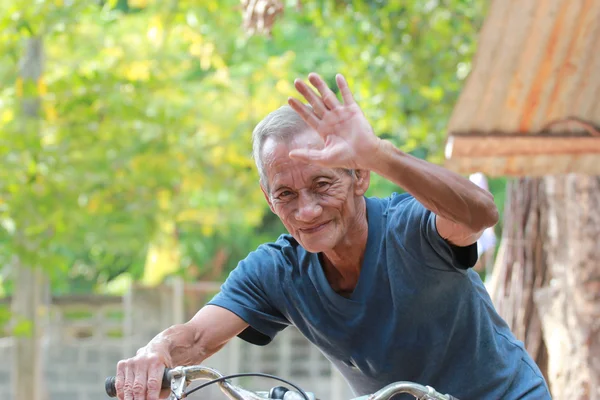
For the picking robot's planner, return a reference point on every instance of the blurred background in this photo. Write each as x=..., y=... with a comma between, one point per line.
x=127, y=188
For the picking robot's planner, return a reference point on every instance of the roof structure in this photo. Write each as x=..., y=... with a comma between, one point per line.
x=531, y=104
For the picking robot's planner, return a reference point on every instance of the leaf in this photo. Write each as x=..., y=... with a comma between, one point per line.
x=148, y=109
x=22, y=328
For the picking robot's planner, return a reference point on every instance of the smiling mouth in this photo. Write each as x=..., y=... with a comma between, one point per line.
x=315, y=229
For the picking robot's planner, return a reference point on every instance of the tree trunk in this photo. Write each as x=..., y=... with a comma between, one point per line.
x=28, y=296
x=521, y=267
x=570, y=305
x=26, y=306
x=546, y=282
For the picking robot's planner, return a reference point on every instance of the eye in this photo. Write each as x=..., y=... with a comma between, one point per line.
x=284, y=194
x=322, y=185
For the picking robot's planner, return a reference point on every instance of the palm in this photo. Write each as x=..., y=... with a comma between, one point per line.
x=342, y=131
x=347, y=135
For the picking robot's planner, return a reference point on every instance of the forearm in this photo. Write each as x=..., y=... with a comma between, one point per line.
x=442, y=191
x=201, y=337
x=179, y=345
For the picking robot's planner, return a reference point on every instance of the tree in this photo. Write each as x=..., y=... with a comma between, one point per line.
x=148, y=108
x=144, y=135
x=405, y=61
x=544, y=283
x=138, y=164
x=30, y=280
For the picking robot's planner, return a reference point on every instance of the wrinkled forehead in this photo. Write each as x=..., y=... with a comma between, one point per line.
x=276, y=150
x=277, y=162
x=275, y=147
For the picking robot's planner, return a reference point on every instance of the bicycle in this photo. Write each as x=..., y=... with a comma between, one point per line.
x=178, y=378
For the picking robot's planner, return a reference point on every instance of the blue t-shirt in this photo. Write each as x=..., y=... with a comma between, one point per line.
x=416, y=313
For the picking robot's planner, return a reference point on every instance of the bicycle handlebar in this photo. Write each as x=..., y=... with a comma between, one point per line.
x=111, y=390
x=178, y=378
x=418, y=391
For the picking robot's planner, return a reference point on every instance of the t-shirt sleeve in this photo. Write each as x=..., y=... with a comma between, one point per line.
x=250, y=292
x=416, y=229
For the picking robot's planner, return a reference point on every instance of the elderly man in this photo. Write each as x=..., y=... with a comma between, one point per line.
x=382, y=286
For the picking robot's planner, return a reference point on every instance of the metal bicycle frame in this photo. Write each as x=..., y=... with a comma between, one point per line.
x=181, y=377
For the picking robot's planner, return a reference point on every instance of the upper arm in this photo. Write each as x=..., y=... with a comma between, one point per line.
x=252, y=292
x=438, y=245
x=215, y=326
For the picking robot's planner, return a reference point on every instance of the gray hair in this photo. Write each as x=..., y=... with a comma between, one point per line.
x=282, y=124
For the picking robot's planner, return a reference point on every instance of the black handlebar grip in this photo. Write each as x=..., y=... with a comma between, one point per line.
x=111, y=390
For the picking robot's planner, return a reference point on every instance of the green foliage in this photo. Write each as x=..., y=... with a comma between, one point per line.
x=5, y=316
x=139, y=163
x=20, y=327
x=497, y=187
x=405, y=60
x=23, y=328
x=144, y=127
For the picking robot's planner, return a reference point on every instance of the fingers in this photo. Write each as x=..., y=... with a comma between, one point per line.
x=140, y=378
x=120, y=379
x=139, y=382
x=327, y=95
x=305, y=113
x=308, y=156
x=155, y=374
x=344, y=90
x=315, y=101
x=327, y=99
x=128, y=385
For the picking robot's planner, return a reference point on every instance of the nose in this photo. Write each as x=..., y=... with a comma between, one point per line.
x=308, y=208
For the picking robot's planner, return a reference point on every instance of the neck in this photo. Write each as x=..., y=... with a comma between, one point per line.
x=343, y=263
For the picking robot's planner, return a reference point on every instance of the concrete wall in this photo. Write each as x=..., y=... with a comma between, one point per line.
x=86, y=337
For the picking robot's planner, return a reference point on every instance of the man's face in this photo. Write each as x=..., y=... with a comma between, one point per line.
x=317, y=205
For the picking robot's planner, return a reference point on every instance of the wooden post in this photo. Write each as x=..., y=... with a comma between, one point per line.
x=177, y=286
x=128, y=325
x=234, y=355
x=338, y=384
x=29, y=282
x=284, y=361
x=26, y=306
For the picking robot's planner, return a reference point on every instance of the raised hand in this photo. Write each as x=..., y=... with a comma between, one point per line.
x=349, y=141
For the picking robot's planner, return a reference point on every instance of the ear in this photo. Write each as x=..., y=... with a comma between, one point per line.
x=266, y=194
x=362, y=181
